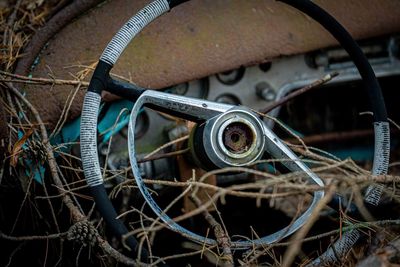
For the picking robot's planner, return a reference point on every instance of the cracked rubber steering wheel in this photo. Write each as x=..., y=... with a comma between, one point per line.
x=215, y=146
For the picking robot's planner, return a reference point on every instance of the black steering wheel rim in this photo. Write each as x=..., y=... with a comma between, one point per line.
x=101, y=81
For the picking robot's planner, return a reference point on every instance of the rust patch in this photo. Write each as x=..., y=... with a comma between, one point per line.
x=197, y=39
x=238, y=137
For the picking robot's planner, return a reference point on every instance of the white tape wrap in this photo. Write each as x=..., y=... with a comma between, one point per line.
x=90, y=159
x=131, y=28
x=381, y=161
x=339, y=248
x=372, y=196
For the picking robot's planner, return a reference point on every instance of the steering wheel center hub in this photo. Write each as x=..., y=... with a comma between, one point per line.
x=235, y=138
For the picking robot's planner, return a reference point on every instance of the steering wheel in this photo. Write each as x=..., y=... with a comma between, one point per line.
x=214, y=145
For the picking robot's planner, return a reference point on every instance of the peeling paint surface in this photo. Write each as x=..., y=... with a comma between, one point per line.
x=195, y=40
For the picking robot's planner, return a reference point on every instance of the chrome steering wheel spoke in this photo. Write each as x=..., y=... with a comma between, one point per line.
x=218, y=117
x=188, y=108
x=279, y=150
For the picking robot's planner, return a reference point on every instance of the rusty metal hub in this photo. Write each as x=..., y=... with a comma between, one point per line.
x=238, y=137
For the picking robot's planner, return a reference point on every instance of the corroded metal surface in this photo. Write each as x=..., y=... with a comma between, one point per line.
x=238, y=137
x=199, y=38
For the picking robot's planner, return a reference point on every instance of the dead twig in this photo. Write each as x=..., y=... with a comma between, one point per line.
x=164, y=155
x=173, y=142
x=25, y=79
x=76, y=215
x=298, y=238
x=300, y=91
x=33, y=237
x=222, y=238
